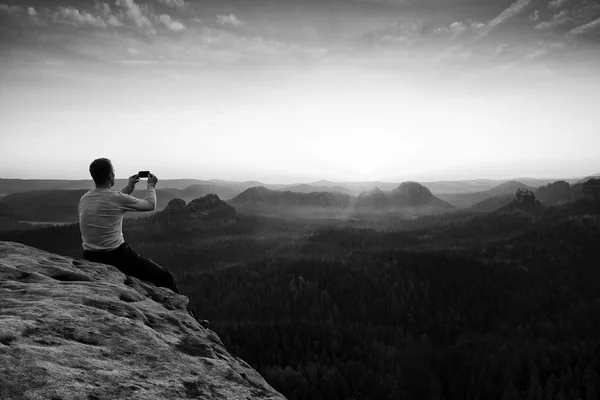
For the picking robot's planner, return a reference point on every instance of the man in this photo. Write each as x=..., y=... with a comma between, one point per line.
x=101, y=213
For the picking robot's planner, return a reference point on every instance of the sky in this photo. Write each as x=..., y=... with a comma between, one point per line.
x=286, y=91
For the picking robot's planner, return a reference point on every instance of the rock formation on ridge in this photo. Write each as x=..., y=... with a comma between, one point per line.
x=408, y=197
x=72, y=329
x=201, y=213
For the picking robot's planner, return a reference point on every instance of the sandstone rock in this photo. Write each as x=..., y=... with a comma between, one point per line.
x=210, y=206
x=176, y=204
x=72, y=329
x=203, y=213
x=524, y=196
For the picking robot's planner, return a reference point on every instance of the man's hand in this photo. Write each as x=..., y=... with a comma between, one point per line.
x=152, y=179
x=133, y=179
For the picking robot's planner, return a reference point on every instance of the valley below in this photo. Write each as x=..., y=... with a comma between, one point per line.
x=392, y=303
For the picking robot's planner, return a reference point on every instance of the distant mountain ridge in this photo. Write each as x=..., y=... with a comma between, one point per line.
x=233, y=188
x=306, y=188
x=553, y=194
x=266, y=201
x=466, y=200
x=408, y=197
x=60, y=205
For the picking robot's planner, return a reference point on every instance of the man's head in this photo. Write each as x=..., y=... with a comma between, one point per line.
x=102, y=172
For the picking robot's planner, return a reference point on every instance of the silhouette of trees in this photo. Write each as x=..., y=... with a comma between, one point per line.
x=495, y=306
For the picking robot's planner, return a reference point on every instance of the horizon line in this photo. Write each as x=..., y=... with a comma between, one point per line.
x=326, y=180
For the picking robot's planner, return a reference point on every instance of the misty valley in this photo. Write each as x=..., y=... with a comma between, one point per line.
x=374, y=290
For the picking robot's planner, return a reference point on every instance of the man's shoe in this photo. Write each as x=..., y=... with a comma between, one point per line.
x=203, y=322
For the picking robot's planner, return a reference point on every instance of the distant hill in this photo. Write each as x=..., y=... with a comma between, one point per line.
x=408, y=197
x=9, y=186
x=587, y=178
x=355, y=187
x=61, y=205
x=590, y=189
x=44, y=205
x=260, y=200
x=466, y=200
x=304, y=188
x=373, y=200
x=561, y=192
x=230, y=189
x=525, y=201
x=459, y=186
x=556, y=193
x=492, y=204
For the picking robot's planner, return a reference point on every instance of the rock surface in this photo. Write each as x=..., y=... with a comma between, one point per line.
x=72, y=329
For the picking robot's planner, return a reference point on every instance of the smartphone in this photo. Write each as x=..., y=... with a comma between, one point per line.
x=143, y=174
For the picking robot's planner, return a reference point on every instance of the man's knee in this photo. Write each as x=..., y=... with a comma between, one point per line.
x=155, y=273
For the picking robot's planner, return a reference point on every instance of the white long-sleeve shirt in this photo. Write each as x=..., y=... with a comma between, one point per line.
x=101, y=216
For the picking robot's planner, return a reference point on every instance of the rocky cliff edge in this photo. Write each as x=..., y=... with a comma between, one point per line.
x=72, y=329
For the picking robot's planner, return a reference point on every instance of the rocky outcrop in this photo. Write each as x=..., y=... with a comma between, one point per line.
x=72, y=329
x=411, y=194
x=176, y=204
x=525, y=201
x=524, y=196
x=408, y=197
x=202, y=213
x=209, y=206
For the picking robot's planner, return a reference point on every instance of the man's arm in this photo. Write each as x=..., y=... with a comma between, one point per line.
x=130, y=203
x=133, y=179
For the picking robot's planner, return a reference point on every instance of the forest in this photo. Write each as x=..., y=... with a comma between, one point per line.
x=500, y=305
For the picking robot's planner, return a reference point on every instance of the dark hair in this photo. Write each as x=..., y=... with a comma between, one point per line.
x=100, y=170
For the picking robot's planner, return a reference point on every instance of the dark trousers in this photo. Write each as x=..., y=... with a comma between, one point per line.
x=134, y=264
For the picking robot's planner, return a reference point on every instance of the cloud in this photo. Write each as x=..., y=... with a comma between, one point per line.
x=558, y=19
x=441, y=31
x=102, y=8
x=113, y=21
x=31, y=11
x=180, y=4
x=459, y=27
x=74, y=16
x=535, y=16
x=509, y=14
x=400, y=33
x=11, y=9
x=586, y=29
x=135, y=15
x=230, y=19
x=554, y=4
x=171, y=24
x=389, y=2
